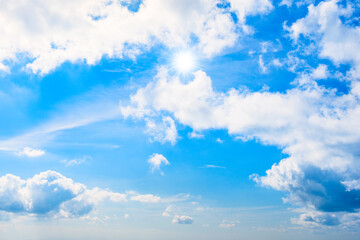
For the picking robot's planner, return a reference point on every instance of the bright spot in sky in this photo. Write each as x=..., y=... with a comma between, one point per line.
x=184, y=62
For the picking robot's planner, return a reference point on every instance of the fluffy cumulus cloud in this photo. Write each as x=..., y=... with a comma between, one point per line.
x=314, y=126
x=182, y=219
x=51, y=194
x=53, y=32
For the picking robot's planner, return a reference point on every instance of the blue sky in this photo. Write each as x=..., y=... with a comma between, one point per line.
x=194, y=119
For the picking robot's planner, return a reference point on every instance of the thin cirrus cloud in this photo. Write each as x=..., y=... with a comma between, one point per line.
x=213, y=166
x=76, y=161
x=94, y=106
x=53, y=36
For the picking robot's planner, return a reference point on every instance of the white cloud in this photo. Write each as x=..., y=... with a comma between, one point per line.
x=41, y=194
x=182, y=220
x=146, y=198
x=316, y=219
x=335, y=39
x=168, y=211
x=352, y=185
x=76, y=161
x=276, y=62
x=287, y=3
x=94, y=106
x=164, y=131
x=213, y=166
x=315, y=127
x=30, y=152
x=156, y=160
x=246, y=7
x=262, y=66
x=321, y=72
x=227, y=225
x=51, y=194
x=88, y=30
x=195, y=135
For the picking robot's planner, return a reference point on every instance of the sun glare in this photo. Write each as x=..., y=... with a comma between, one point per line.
x=184, y=62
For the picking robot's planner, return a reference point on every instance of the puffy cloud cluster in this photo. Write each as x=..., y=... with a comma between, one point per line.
x=51, y=194
x=317, y=128
x=329, y=25
x=53, y=32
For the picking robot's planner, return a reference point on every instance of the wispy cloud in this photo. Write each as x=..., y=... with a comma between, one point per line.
x=76, y=161
x=156, y=160
x=95, y=106
x=213, y=166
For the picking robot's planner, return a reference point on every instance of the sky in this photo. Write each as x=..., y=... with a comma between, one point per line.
x=192, y=119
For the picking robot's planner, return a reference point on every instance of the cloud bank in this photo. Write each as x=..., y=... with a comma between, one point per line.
x=53, y=32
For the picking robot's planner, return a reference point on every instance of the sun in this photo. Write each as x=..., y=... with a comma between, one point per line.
x=184, y=62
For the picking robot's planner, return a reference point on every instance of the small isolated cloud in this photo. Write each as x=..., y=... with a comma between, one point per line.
x=167, y=212
x=195, y=135
x=177, y=198
x=146, y=198
x=227, y=224
x=276, y=62
x=76, y=161
x=30, y=152
x=126, y=216
x=182, y=220
x=262, y=66
x=213, y=166
x=219, y=140
x=156, y=160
